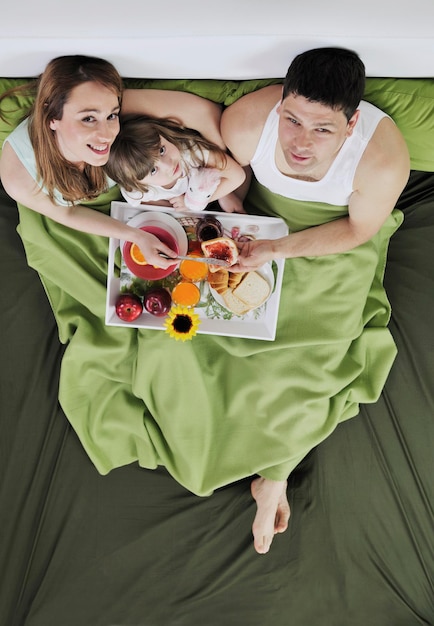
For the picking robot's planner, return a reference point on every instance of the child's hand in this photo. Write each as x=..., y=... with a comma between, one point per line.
x=231, y=204
x=178, y=203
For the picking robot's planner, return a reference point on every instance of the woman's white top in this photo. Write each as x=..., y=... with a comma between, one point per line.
x=19, y=140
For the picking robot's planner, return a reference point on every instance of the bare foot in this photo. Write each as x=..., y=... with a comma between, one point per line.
x=273, y=511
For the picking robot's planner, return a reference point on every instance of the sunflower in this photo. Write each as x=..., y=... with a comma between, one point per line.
x=181, y=323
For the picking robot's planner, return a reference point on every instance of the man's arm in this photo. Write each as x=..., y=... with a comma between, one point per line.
x=241, y=127
x=380, y=178
x=242, y=122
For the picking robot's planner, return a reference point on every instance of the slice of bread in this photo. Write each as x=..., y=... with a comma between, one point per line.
x=253, y=290
x=234, y=304
x=222, y=248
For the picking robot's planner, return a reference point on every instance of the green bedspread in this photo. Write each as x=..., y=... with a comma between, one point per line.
x=217, y=409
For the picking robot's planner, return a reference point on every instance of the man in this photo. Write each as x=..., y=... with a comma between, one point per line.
x=315, y=141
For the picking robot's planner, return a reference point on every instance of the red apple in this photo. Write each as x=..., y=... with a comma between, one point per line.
x=128, y=307
x=157, y=301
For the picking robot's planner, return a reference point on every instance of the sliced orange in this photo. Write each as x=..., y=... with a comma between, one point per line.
x=137, y=255
x=186, y=294
x=193, y=270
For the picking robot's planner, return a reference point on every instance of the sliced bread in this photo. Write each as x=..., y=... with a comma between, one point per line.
x=234, y=304
x=253, y=290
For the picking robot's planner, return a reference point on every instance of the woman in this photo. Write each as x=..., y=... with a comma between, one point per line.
x=53, y=160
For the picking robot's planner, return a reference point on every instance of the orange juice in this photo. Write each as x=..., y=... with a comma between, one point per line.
x=193, y=270
x=186, y=294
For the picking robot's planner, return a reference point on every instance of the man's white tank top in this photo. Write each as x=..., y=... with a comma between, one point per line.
x=336, y=186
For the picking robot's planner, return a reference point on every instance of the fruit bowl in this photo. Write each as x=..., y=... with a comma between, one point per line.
x=168, y=230
x=150, y=272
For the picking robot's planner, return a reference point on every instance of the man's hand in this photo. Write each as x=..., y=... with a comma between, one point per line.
x=253, y=255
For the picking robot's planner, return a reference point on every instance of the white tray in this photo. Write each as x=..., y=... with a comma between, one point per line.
x=258, y=324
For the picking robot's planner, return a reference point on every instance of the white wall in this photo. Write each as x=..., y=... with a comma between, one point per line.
x=227, y=39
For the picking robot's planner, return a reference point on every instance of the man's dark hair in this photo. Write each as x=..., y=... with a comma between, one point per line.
x=334, y=77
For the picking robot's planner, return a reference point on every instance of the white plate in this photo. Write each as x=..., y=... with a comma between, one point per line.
x=162, y=220
x=265, y=271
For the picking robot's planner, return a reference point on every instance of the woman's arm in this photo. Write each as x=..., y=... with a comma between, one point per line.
x=191, y=110
x=22, y=188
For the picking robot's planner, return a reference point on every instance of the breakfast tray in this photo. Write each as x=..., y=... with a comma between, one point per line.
x=260, y=323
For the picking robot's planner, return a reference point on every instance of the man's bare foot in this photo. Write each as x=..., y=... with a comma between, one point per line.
x=273, y=511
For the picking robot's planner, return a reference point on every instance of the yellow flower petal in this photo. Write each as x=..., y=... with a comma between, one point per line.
x=181, y=323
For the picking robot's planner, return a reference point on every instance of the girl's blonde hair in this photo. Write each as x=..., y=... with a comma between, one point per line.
x=52, y=90
x=137, y=148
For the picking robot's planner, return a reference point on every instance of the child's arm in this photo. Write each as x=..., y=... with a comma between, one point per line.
x=231, y=203
x=233, y=179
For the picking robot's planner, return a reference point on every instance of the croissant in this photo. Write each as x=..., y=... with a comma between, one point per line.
x=219, y=280
x=234, y=279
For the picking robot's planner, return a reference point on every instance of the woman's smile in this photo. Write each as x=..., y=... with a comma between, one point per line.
x=103, y=149
x=89, y=124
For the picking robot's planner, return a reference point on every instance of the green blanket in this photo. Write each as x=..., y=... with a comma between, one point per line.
x=217, y=409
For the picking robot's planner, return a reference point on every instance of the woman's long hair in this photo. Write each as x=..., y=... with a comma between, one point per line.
x=137, y=148
x=52, y=90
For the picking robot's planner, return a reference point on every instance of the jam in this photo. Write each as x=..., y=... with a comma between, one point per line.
x=221, y=251
x=208, y=228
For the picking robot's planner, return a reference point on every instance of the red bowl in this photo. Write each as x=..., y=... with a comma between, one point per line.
x=149, y=272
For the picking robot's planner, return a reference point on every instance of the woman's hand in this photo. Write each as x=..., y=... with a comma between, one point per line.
x=151, y=248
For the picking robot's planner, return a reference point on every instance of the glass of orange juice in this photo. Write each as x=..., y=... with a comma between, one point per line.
x=186, y=293
x=194, y=271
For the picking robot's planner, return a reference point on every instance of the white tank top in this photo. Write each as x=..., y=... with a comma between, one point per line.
x=19, y=140
x=336, y=186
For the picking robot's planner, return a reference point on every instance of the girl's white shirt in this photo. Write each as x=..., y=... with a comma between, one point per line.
x=155, y=193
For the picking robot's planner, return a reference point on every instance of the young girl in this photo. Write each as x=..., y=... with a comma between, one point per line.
x=151, y=160
x=52, y=162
